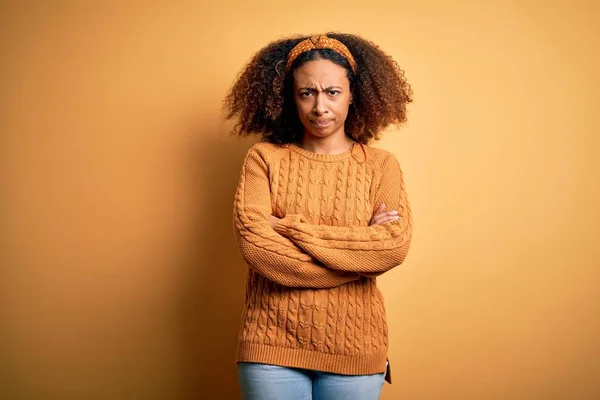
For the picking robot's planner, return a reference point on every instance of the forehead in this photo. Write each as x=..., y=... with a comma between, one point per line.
x=320, y=72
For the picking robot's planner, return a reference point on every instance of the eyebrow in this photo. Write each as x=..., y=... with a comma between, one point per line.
x=326, y=89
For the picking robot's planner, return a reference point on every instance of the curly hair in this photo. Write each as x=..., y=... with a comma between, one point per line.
x=262, y=95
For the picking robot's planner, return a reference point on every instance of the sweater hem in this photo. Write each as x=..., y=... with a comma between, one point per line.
x=311, y=360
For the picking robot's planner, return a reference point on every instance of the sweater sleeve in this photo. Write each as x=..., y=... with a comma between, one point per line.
x=369, y=250
x=264, y=250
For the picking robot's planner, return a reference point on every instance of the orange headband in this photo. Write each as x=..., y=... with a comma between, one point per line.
x=320, y=42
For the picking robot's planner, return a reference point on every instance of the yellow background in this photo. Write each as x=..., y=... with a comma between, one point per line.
x=120, y=277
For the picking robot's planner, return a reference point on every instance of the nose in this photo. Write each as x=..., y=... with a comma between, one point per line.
x=320, y=107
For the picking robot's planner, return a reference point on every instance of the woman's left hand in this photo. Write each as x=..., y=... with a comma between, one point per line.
x=381, y=216
x=273, y=221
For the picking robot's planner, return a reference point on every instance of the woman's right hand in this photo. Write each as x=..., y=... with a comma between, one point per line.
x=380, y=216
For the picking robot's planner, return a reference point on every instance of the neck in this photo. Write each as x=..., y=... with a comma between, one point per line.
x=333, y=144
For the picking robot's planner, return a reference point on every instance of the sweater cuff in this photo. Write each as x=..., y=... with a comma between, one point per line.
x=282, y=226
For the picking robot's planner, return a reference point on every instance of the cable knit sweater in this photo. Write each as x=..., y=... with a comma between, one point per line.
x=311, y=296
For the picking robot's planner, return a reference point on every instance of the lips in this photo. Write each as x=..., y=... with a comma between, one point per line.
x=321, y=122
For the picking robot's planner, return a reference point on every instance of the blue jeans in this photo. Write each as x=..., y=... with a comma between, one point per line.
x=272, y=382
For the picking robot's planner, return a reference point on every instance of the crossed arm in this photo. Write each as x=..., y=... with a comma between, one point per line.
x=292, y=252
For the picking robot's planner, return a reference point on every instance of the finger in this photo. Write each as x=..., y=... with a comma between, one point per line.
x=376, y=213
x=385, y=219
x=378, y=220
x=392, y=219
x=386, y=214
x=375, y=220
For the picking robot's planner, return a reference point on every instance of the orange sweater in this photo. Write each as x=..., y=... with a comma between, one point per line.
x=311, y=296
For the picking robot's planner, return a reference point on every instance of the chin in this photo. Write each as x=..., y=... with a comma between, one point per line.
x=322, y=133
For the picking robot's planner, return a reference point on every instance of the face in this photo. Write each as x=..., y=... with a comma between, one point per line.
x=322, y=97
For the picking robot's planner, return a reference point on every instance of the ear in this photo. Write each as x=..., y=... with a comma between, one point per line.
x=351, y=98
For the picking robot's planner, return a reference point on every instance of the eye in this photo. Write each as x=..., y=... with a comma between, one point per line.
x=333, y=92
x=305, y=94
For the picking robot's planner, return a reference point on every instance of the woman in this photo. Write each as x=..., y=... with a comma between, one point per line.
x=318, y=216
